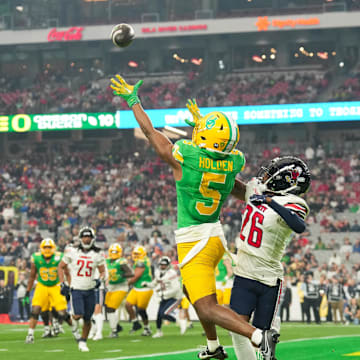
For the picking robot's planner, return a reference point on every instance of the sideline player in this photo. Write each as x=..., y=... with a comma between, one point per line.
x=44, y=264
x=204, y=170
x=224, y=281
x=79, y=264
x=139, y=296
x=119, y=271
x=269, y=220
x=167, y=286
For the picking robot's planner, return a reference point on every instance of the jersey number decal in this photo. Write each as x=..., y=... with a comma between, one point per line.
x=48, y=274
x=84, y=264
x=215, y=195
x=256, y=219
x=113, y=276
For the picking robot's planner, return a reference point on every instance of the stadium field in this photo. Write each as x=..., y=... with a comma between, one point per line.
x=298, y=342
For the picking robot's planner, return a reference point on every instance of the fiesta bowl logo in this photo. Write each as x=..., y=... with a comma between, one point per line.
x=73, y=34
x=263, y=23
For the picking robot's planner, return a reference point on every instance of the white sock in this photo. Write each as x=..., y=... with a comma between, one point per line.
x=183, y=325
x=75, y=324
x=213, y=344
x=243, y=348
x=31, y=331
x=256, y=337
x=113, y=320
x=99, y=321
x=277, y=324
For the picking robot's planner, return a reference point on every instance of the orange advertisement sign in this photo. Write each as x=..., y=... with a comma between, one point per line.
x=264, y=23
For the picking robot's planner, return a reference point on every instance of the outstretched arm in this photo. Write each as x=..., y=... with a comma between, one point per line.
x=160, y=142
x=239, y=190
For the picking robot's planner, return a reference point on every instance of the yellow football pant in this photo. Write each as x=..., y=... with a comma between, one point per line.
x=198, y=275
x=49, y=296
x=139, y=298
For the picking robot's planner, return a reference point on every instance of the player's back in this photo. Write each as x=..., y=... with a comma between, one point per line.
x=207, y=180
x=263, y=238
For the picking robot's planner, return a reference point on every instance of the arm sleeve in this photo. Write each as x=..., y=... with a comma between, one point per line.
x=295, y=222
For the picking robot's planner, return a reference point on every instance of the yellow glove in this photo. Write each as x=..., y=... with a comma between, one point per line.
x=195, y=112
x=126, y=91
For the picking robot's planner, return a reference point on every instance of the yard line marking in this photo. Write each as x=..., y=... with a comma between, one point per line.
x=54, y=351
x=4, y=350
x=137, y=340
x=113, y=351
x=191, y=350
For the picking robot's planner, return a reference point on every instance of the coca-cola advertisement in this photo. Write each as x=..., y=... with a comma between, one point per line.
x=72, y=34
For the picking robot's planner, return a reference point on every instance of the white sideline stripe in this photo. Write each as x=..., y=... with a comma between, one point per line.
x=54, y=351
x=227, y=347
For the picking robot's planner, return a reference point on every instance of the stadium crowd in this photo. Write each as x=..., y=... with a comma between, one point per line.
x=134, y=197
x=57, y=91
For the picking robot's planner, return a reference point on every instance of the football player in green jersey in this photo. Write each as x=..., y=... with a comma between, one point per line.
x=140, y=295
x=44, y=265
x=119, y=271
x=204, y=170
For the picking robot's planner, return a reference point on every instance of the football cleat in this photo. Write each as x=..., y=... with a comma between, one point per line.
x=268, y=343
x=97, y=337
x=219, y=353
x=146, y=332
x=136, y=326
x=29, y=339
x=76, y=334
x=158, y=334
x=119, y=328
x=113, y=335
x=83, y=347
x=47, y=333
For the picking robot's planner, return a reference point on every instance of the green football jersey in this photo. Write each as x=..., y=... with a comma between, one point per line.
x=207, y=180
x=116, y=273
x=47, y=270
x=146, y=275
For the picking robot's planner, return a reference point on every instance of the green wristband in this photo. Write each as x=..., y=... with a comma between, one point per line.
x=132, y=100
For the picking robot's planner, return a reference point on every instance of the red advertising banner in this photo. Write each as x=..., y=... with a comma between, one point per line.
x=73, y=34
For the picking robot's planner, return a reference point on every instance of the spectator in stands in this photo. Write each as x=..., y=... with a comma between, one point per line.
x=352, y=312
x=333, y=245
x=23, y=300
x=320, y=245
x=286, y=303
x=356, y=247
x=346, y=248
x=355, y=227
x=334, y=259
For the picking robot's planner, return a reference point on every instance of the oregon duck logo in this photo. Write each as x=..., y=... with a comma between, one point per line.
x=210, y=122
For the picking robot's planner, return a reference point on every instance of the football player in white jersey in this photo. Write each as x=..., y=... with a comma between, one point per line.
x=79, y=265
x=168, y=289
x=274, y=210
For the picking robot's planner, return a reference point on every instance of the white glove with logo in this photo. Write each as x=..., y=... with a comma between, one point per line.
x=254, y=186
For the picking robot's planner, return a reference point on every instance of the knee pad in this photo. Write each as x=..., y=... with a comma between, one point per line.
x=34, y=316
x=143, y=314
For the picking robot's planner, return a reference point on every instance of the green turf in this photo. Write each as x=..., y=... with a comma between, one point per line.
x=341, y=340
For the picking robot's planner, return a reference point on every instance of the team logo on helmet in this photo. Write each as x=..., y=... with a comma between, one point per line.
x=47, y=247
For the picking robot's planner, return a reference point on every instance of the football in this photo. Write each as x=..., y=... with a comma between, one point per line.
x=122, y=35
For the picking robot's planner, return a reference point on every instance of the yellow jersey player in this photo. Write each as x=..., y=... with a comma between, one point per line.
x=118, y=272
x=44, y=265
x=140, y=295
x=204, y=170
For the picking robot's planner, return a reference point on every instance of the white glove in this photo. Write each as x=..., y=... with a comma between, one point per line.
x=254, y=186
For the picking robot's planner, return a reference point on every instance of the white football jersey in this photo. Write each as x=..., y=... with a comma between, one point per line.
x=167, y=284
x=82, y=266
x=263, y=238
